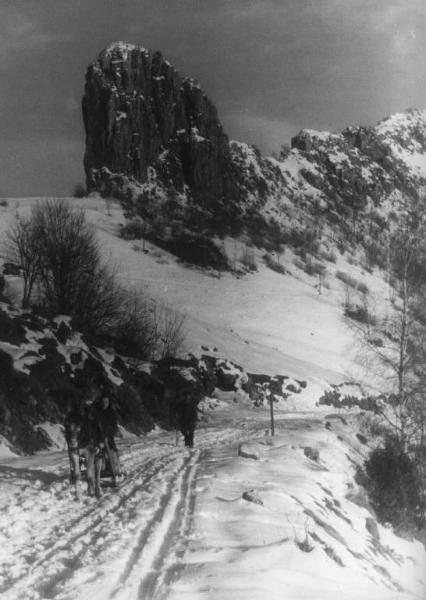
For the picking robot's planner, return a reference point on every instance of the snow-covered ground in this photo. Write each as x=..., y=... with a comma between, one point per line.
x=275, y=520
x=243, y=515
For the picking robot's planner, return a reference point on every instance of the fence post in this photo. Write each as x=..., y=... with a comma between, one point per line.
x=271, y=405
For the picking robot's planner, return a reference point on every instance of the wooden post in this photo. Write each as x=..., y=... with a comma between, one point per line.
x=271, y=405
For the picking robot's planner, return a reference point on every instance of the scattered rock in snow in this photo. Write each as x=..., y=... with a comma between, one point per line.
x=304, y=545
x=372, y=528
x=248, y=451
x=63, y=333
x=292, y=388
x=362, y=438
x=252, y=496
x=311, y=453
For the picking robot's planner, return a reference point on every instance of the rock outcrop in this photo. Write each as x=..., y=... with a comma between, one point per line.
x=140, y=114
x=154, y=140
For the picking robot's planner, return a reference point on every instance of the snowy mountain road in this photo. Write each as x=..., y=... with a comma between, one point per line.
x=52, y=544
x=127, y=545
x=224, y=520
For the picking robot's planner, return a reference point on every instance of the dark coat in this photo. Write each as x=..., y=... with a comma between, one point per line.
x=186, y=415
x=107, y=422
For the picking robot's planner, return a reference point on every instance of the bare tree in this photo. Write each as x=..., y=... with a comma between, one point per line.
x=57, y=249
x=70, y=256
x=22, y=248
x=395, y=344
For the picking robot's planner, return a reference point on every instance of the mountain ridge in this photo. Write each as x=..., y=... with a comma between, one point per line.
x=190, y=176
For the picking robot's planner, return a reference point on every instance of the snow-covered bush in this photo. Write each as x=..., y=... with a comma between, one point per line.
x=393, y=484
x=134, y=229
x=358, y=313
x=273, y=264
x=328, y=255
x=352, y=282
x=374, y=426
x=196, y=249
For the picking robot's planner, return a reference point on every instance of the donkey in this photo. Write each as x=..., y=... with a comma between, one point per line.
x=84, y=437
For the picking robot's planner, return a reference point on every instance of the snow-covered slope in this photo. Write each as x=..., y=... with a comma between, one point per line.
x=266, y=321
x=405, y=135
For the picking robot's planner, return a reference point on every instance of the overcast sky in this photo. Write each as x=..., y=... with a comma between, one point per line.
x=271, y=67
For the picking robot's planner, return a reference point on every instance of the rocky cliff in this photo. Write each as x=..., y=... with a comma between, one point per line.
x=139, y=113
x=154, y=140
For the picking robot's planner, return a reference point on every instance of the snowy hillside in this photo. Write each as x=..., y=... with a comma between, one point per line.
x=268, y=322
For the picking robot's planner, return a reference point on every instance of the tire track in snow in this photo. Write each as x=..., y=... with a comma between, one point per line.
x=168, y=565
x=78, y=537
x=51, y=504
x=152, y=563
x=92, y=542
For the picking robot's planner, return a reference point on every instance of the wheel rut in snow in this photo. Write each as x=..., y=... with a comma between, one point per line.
x=154, y=561
x=73, y=541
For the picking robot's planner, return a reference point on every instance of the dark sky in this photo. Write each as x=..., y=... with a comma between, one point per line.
x=271, y=67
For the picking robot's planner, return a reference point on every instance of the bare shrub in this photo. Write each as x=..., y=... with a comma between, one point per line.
x=327, y=255
x=98, y=302
x=352, y=282
x=373, y=425
x=134, y=229
x=134, y=330
x=359, y=313
x=300, y=264
x=273, y=263
x=79, y=191
x=313, y=268
x=169, y=330
x=146, y=329
x=248, y=259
